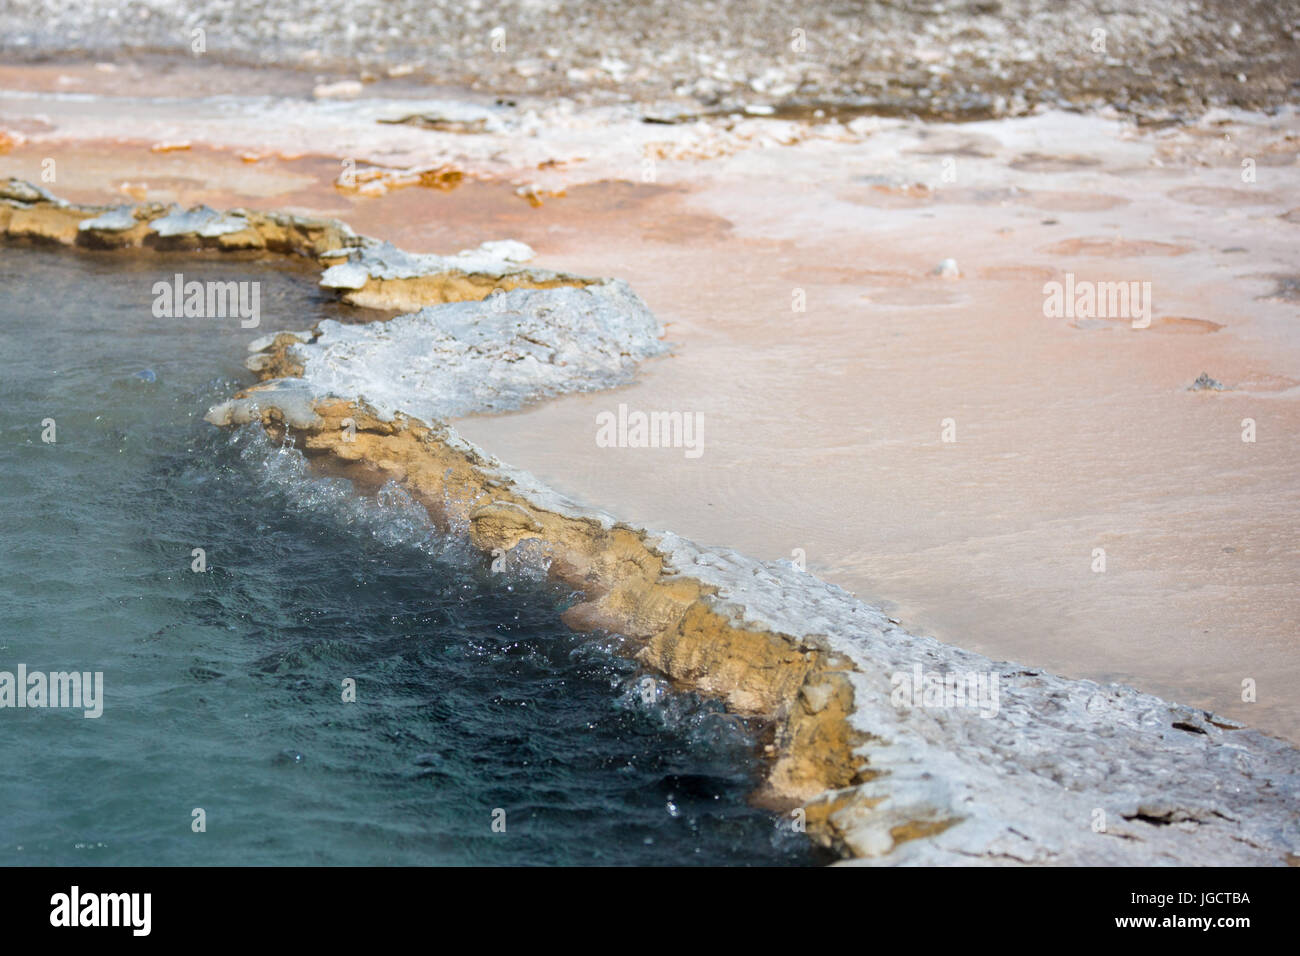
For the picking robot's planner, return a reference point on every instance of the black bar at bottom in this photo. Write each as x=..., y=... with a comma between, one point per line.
x=333, y=906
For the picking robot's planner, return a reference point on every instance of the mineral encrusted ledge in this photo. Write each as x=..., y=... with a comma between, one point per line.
x=365, y=272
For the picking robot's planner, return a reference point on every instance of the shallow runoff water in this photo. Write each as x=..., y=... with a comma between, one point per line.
x=223, y=689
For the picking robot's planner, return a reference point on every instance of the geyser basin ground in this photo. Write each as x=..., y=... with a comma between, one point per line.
x=707, y=262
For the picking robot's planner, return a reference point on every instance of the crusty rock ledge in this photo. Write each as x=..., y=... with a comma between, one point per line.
x=30, y=212
x=364, y=271
x=1065, y=771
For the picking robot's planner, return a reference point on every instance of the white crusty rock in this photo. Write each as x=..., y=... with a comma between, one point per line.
x=496, y=354
x=21, y=191
x=115, y=220
x=382, y=260
x=199, y=221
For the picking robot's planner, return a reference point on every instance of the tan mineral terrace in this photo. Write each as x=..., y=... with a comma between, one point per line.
x=1048, y=770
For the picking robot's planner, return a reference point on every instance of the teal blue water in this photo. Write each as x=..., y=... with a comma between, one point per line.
x=223, y=688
